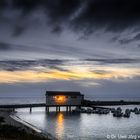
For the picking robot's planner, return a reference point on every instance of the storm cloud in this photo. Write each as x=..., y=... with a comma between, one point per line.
x=88, y=16
x=4, y=46
x=86, y=45
x=59, y=64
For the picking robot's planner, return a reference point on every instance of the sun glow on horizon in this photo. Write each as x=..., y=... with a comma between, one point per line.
x=98, y=73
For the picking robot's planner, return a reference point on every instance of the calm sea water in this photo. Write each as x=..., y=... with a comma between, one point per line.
x=80, y=126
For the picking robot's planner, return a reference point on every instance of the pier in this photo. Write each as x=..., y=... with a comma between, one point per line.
x=47, y=107
x=68, y=99
x=30, y=106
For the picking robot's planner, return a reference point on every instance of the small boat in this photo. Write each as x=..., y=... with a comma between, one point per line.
x=89, y=110
x=112, y=110
x=137, y=112
x=118, y=112
x=127, y=113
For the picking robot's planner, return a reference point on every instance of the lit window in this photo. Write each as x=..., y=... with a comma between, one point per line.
x=60, y=99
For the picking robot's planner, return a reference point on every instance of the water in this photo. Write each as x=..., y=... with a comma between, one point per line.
x=81, y=126
x=21, y=100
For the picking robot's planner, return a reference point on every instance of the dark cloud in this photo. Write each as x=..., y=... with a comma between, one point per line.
x=2, y=4
x=138, y=45
x=126, y=41
x=18, y=30
x=57, y=29
x=115, y=61
x=100, y=72
x=13, y=65
x=4, y=46
x=84, y=15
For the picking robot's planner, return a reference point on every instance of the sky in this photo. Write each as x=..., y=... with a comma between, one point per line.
x=91, y=46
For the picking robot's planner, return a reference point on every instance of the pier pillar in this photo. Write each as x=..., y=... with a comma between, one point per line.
x=30, y=109
x=56, y=108
x=59, y=108
x=69, y=108
x=47, y=109
x=66, y=108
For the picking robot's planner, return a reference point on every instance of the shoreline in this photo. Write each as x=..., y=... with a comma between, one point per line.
x=18, y=119
x=13, y=120
x=110, y=103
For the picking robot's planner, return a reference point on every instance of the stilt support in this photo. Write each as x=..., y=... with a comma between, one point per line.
x=69, y=108
x=47, y=109
x=56, y=108
x=59, y=108
x=30, y=109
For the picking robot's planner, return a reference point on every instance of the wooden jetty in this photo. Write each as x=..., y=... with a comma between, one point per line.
x=68, y=107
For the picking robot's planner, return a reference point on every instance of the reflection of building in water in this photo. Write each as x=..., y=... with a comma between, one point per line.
x=60, y=125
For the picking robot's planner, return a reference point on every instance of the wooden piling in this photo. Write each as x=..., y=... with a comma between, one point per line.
x=30, y=109
x=59, y=108
x=69, y=108
x=66, y=108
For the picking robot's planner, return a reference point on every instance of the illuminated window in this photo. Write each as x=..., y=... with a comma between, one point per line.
x=60, y=99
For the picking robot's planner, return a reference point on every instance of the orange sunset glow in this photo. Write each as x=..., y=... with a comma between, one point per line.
x=76, y=74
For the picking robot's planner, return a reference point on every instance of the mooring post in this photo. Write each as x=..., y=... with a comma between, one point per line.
x=30, y=109
x=69, y=108
x=48, y=109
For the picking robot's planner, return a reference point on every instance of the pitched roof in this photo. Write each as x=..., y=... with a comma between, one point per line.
x=68, y=93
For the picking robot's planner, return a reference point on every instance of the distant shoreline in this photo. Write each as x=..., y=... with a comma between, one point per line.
x=110, y=103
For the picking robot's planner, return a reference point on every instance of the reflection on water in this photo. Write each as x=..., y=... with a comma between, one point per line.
x=76, y=126
x=60, y=124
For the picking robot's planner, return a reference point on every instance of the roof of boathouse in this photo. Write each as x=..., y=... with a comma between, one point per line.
x=68, y=93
